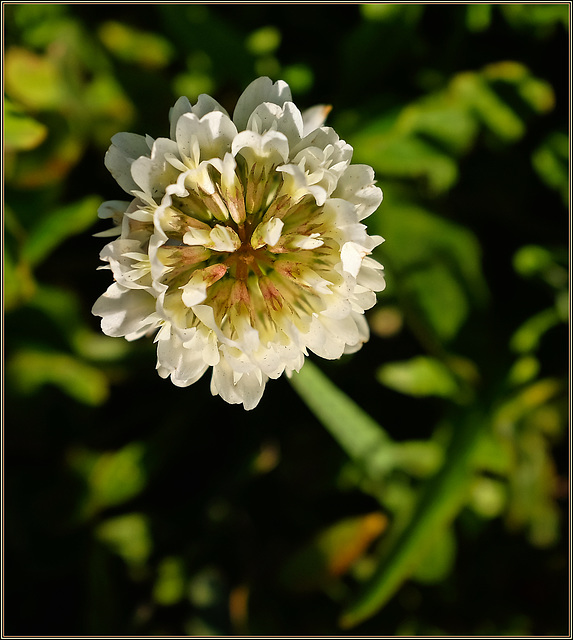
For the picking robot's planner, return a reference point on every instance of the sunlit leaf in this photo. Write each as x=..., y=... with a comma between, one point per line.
x=133, y=45
x=264, y=40
x=30, y=370
x=488, y=497
x=419, y=458
x=525, y=369
x=441, y=119
x=19, y=284
x=393, y=155
x=128, y=536
x=34, y=80
x=21, y=132
x=493, y=112
x=420, y=376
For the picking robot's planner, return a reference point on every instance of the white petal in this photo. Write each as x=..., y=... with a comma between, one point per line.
x=112, y=209
x=211, y=135
x=125, y=148
x=179, y=108
x=259, y=91
x=272, y=146
x=126, y=312
x=314, y=117
x=154, y=174
x=357, y=186
x=352, y=255
x=268, y=233
x=287, y=120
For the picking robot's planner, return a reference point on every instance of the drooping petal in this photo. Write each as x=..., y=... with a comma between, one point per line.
x=128, y=313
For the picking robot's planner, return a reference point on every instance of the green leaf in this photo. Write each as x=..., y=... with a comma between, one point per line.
x=421, y=238
x=442, y=119
x=169, y=587
x=439, y=298
x=365, y=442
x=144, y=48
x=118, y=476
x=439, y=561
x=34, y=80
x=478, y=17
x=528, y=336
x=492, y=111
x=30, y=370
x=442, y=498
x=421, y=376
x=55, y=227
x=128, y=536
x=21, y=132
x=551, y=161
x=398, y=156
x=264, y=41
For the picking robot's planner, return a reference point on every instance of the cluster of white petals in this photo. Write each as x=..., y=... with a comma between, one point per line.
x=242, y=246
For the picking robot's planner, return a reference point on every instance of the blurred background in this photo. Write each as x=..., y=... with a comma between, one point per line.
x=135, y=507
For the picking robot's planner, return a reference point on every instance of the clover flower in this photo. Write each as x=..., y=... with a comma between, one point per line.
x=242, y=246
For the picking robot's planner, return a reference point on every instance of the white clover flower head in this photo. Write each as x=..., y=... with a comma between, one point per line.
x=242, y=246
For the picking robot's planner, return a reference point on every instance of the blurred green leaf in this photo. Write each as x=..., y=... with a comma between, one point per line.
x=551, y=161
x=365, y=442
x=127, y=535
x=439, y=561
x=524, y=370
x=21, y=132
x=438, y=264
x=420, y=376
x=397, y=156
x=478, y=17
x=19, y=284
x=488, y=497
x=30, y=370
x=439, y=298
x=420, y=237
x=299, y=77
x=118, y=476
x=145, y=48
x=443, y=120
x=169, y=586
x=206, y=588
x=332, y=552
x=34, y=80
x=539, y=19
x=419, y=458
x=492, y=111
x=264, y=40
x=442, y=498
x=528, y=336
x=55, y=227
